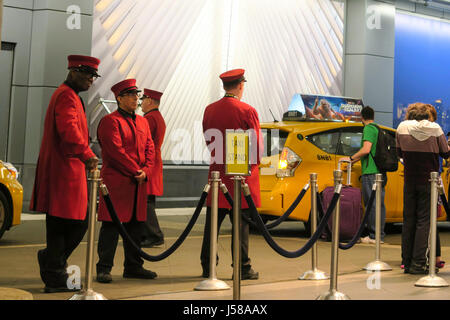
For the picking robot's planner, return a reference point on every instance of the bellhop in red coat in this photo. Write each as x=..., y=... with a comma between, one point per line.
x=150, y=106
x=128, y=156
x=152, y=233
x=231, y=113
x=60, y=186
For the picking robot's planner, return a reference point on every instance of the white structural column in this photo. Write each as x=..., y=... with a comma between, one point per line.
x=369, y=55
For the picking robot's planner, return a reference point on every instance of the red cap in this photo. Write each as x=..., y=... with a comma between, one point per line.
x=233, y=75
x=124, y=86
x=76, y=61
x=155, y=95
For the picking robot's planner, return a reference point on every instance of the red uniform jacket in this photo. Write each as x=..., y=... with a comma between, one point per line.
x=60, y=186
x=158, y=129
x=230, y=113
x=127, y=147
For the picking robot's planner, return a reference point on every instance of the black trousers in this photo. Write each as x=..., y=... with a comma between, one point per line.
x=63, y=236
x=416, y=224
x=205, y=254
x=152, y=231
x=107, y=244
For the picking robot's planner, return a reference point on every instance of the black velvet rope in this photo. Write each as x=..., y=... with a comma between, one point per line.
x=168, y=252
x=231, y=203
x=289, y=210
x=363, y=223
x=282, y=218
x=311, y=241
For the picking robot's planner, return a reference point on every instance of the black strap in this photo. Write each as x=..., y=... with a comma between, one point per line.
x=370, y=152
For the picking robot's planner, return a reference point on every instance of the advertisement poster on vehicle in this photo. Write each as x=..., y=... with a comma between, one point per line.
x=327, y=107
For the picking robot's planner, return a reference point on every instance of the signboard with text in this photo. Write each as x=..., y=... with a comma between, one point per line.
x=237, y=153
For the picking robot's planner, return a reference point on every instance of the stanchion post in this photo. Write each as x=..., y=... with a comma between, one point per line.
x=432, y=280
x=378, y=265
x=212, y=283
x=237, y=238
x=314, y=273
x=333, y=294
x=87, y=293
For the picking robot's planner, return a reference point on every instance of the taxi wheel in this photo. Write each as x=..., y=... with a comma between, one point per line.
x=5, y=213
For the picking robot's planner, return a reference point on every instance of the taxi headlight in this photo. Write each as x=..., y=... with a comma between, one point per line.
x=11, y=169
x=288, y=163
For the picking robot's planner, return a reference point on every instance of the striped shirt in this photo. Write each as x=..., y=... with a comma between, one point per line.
x=420, y=143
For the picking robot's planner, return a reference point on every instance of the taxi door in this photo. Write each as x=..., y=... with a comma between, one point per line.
x=349, y=144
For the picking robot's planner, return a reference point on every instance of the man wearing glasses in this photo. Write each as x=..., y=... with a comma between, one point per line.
x=128, y=155
x=60, y=187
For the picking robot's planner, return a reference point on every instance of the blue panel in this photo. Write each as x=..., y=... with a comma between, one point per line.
x=422, y=66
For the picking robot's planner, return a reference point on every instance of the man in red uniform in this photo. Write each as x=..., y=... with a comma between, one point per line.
x=60, y=186
x=152, y=234
x=231, y=113
x=128, y=155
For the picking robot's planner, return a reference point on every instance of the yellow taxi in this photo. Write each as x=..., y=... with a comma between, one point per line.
x=297, y=148
x=11, y=196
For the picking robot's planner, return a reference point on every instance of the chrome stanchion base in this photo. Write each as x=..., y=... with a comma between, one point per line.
x=314, y=275
x=212, y=285
x=377, y=265
x=88, y=295
x=333, y=295
x=431, y=281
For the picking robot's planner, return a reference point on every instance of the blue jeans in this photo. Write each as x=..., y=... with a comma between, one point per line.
x=367, y=182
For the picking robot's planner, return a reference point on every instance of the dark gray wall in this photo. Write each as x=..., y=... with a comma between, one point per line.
x=43, y=41
x=183, y=186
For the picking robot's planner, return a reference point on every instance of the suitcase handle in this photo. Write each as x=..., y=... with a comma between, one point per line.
x=349, y=170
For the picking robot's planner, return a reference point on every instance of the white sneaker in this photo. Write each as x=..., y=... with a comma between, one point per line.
x=374, y=241
x=365, y=240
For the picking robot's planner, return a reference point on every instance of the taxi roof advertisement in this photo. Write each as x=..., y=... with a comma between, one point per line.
x=327, y=107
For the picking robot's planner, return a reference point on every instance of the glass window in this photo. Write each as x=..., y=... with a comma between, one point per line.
x=350, y=141
x=274, y=141
x=326, y=141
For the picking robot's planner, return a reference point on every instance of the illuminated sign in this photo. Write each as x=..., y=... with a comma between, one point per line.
x=316, y=107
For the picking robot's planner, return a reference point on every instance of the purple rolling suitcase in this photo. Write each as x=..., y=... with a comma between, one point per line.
x=351, y=209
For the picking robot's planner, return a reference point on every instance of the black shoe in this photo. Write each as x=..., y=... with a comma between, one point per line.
x=417, y=269
x=250, y=275
x=139, y=274
x=60, y=288
x=104, y=277
x=205, y=273
x=152, y=243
